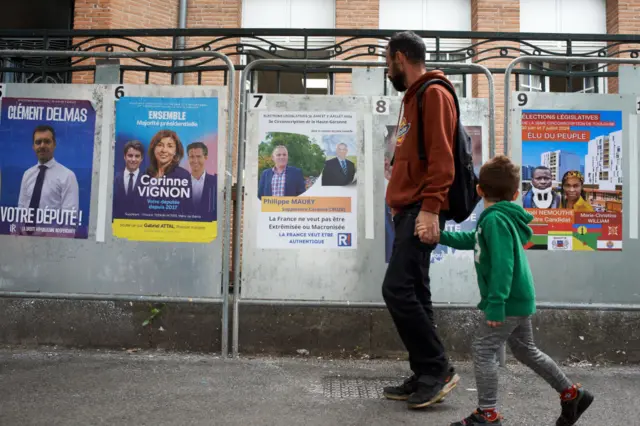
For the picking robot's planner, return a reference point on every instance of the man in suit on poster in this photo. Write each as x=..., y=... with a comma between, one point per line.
x=126, y=183
x=281, y=180
x=204, y=185
x=339, y=171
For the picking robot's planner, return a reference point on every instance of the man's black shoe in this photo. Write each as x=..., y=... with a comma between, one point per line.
x=430, y=390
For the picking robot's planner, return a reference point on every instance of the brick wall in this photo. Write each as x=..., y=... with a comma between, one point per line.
x=622, y=18
x=118, y=14
x=613, y=27
x=213, y=14
x=499, y=16
x=355, y=14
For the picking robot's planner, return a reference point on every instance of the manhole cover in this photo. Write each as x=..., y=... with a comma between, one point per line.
x=355, y=387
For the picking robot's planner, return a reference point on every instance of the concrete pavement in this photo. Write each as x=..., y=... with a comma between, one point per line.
x=71, y=387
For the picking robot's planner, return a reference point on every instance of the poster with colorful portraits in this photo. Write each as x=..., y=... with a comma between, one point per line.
x=572, y=179
x=165, y=182
x=307, y=180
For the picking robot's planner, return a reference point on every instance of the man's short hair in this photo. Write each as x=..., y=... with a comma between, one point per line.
x=499, y=179
x=545, y=168
x=410, y=44
x=279, y=147
x=137, y=145
x=343, y=144
x=44, y=128
x=195, y=145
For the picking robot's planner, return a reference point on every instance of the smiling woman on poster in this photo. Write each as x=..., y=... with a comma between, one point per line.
x=164, y=178
x=573, y=195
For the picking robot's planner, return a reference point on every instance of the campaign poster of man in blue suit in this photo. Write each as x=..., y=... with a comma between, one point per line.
x=339, y=171
x=125, y=189
x=203, y=184
x=281, y=180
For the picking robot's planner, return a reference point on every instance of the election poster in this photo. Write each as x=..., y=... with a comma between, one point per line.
x=572, y=179
x=440, y=252
x=307, y=174
x=46, y=167
x=165, y=182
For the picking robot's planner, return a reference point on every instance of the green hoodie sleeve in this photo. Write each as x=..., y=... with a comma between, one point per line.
x=458, y=240
x=499, y=243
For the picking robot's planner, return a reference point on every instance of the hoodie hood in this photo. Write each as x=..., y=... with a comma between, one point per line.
x=514, y=214
x=429, y=75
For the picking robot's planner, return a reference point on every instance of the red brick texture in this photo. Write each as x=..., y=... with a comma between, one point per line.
x=622, y=18
x=499, y=16
x=119, y=14
x=213, y=14
x=355, y=14
x=613, y=27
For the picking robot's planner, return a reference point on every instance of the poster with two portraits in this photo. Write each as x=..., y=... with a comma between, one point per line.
x=164, y=184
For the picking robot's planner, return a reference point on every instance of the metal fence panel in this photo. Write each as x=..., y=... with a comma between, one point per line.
x=115, y=266
x=573, y=269
x=335, y=274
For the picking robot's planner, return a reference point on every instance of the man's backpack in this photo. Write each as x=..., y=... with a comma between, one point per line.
x=463, y=197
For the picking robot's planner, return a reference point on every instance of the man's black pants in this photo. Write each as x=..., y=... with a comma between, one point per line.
x=407, y=293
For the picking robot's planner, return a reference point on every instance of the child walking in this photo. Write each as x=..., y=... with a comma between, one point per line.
x=507, y=296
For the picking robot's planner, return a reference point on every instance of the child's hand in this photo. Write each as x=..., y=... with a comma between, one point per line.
x=494, y=324
x=420, y=230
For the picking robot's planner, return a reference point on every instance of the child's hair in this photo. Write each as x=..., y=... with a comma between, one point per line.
x=499, y=179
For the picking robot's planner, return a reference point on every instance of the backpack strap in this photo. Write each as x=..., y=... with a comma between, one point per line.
x=421, y=153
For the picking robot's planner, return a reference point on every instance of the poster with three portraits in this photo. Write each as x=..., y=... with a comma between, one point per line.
x=165, y=184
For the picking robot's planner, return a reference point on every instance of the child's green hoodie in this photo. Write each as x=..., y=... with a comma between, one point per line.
x=505, y=280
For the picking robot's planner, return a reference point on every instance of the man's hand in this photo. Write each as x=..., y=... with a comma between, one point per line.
x=494, y=324
x=428, y=227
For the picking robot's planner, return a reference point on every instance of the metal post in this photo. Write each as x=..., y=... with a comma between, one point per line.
x=107, y=297
x=242, y=147
x=502, y=356
x=550, y=59
x=182, y=23
x=608, y=307
x=226, y=235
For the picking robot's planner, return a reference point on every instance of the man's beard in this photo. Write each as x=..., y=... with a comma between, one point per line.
x=542, y=198
x=398, y=82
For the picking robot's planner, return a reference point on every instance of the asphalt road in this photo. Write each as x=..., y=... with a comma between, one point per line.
x=65, y=387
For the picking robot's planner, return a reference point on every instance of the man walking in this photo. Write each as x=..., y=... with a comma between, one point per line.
x=417, y=194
